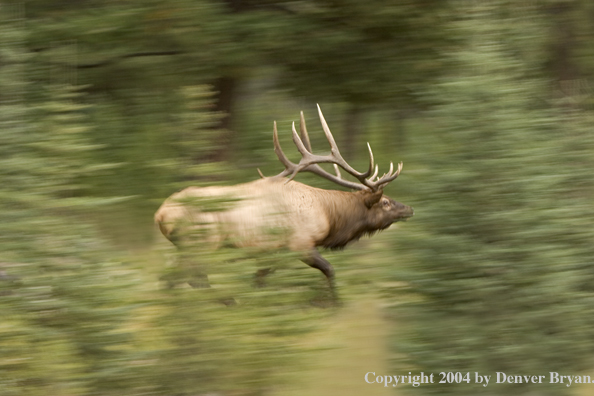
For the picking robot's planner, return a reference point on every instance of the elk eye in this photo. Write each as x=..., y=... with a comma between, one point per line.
x=386, y=202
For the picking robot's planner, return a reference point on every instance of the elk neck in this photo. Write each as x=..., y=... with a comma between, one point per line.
x=349, y=218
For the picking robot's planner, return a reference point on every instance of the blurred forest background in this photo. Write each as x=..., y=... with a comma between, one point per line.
x=107, y=107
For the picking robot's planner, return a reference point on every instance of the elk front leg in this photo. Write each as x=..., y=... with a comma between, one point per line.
x=315, y=260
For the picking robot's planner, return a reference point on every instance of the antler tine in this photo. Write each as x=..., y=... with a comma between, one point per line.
x=374, y=173
x=304, y=134
x=279, y=153
x=370, y=157
x=333, y=146
x=337, y=170
x=336, y=153
x=306, y=159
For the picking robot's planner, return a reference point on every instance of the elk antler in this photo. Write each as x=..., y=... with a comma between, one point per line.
x=309, y=161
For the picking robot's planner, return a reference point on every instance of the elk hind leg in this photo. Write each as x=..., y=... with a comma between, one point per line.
x=260, y=276
x=189, y=269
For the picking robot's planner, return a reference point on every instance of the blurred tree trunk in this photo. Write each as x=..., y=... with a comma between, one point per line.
x=227, y=88
x=563, y=63
x=352, y=130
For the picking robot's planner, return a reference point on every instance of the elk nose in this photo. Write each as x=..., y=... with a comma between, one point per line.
x=409, y=211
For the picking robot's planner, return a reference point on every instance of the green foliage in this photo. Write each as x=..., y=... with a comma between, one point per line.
x=62, y=152
x=502, y=258
x=198, y=137
x=62, y=299
x=359, y=52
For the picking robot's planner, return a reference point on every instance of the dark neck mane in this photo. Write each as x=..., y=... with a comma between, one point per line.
x=348, y=217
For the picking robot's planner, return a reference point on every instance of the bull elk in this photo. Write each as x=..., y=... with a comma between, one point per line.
x=310, y=217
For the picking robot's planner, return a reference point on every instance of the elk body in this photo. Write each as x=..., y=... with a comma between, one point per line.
x=307, y=217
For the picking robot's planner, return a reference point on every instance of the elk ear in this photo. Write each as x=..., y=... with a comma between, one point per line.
x=372, y=198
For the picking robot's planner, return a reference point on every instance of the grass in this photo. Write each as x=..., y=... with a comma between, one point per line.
x=348, y=346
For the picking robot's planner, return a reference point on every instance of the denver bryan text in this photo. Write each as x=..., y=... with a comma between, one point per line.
x=553, y=378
